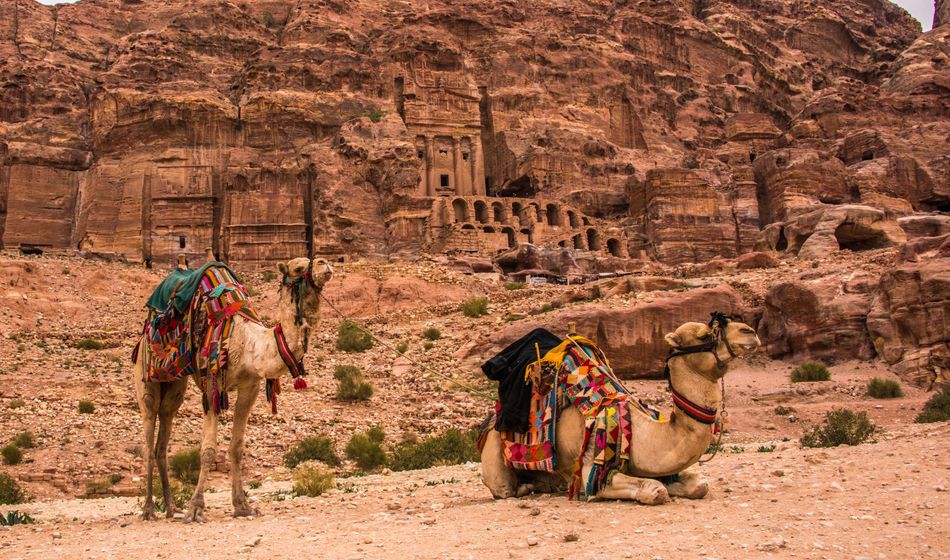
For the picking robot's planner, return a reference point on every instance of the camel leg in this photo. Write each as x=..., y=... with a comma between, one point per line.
x=209, y=442
x=246, y=397
x=644, y=490
x=690, y=485
x=148, y=396
x=173, y=394
x=498, y=477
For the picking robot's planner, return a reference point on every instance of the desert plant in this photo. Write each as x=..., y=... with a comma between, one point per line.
x=312, y=448
x=343, y=371
x=10, y=491
x=884, y=389
x=428, y=345
x=89, y=344
x=431, y=333
x=181, y=493
x=15, y=518
x=475, y=307
x=353, y=389
x=312, y=479
x=11, y=454
x=269, y=275
x=783, y=410
x=254, y=484
x=350, y=338
x=840, y=427
x=766, y=448
x=402, y=347
x=366, y=449
x=810, y=371
x=377, y=115
x=514, y=285
x=269, y=20
x=24, y=440
x=186, y=465
x=936, y=409
x=450, y=448
x=16, y=403
x=86, y=407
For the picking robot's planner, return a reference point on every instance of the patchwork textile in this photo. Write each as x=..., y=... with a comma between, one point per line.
x=575, y=373
x=193, y=339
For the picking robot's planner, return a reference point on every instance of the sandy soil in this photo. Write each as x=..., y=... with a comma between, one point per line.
x=886, y=499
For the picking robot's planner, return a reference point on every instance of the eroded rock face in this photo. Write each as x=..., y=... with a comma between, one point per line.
x=818, y=320
x=632, y=336
x=270, y=129
x=827, y=229
x=908, y=321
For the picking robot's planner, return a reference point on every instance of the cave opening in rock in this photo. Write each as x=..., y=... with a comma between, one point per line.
x=510, y=232
x=578, y=242
x=528, y=233
x=461, y=210
x=859, y=237
x=868, y=155
x=444, y=181
x=613, y=247
x=481, y=212
x=593, y=240
x=572, y=219
x=520, y=188
x=554, y=215
x=782, y=243
x=181, y=241
x=498, y=212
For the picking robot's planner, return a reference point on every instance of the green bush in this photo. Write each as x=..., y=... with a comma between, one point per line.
x=402, y=347
x=344, y=371
x=353, y=389
x=16, y=403
x=937, y=409
x=428, y=345
x=784, y=410
x=766, y=448
x=514, y=286
x=89, y=344
x=377, y=115
x=10, y=491
x=810, y=371
x=350, y=338
x=11, y=454
x=15, y=518
x=25, y=440
x=186, y=465
x=431, y=333
x=86, y=407
x=475, y=307
x=312, y=448
x=312, y=479
x=884, y=389
x=451, y=448
x=840, y=427
x=366, y=449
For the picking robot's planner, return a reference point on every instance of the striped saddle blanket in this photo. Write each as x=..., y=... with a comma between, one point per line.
x=193, y=340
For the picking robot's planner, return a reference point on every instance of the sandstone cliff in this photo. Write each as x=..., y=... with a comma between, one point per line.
x=664, y=130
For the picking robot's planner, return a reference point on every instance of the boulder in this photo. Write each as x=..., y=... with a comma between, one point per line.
x=817, y=319
x=532, y=257
x=908, y=321
x=630, y=335
x=756, y=260
x=827, y=229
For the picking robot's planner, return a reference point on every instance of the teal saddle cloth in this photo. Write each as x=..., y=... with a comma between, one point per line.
x=186, y=281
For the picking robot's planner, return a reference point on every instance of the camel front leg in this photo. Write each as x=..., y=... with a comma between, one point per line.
x=689, y=485
x=622, y=487
x=148, y=407
x=246, y=397
x=209, y=442
x=173, y=394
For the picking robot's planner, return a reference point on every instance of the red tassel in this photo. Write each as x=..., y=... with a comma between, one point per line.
x=300, y=384
x=273, y=404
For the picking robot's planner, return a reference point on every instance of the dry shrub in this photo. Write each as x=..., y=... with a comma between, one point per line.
x=475, y=307
x=451, y=448
x=366, y=449
x=810, y=371
x=840, y=427
x=186, y=465
x=11, y=454
x=312, y=448
x=937, y=409
x=312, y=479
x=350, y=338
x=10, y=491
x=884, y=389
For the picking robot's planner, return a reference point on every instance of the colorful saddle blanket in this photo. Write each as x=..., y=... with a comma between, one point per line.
x=576, y=373
x=192, y=339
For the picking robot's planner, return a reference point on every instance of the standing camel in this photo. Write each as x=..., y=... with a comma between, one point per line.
x=700, y=358
x=252, y=357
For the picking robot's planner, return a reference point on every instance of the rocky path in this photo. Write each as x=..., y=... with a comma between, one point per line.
x=887, y=499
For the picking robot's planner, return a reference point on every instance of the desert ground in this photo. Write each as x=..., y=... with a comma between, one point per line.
x=769, y=496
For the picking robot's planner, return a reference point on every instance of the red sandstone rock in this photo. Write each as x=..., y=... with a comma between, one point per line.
x=756, y=260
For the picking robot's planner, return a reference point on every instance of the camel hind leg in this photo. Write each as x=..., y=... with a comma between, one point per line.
x=689, y=485
x=172, y=395
x=242, y=411
x=643, y=490
x=500, y=479
x=209, y=443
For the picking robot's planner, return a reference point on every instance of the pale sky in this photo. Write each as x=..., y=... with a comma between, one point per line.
x=923, y=10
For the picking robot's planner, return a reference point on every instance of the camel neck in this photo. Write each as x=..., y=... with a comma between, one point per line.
x=295, y=334
x=696, y=393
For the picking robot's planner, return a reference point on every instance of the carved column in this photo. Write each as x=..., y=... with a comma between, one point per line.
x=478, y=166
x=431, y=179
x=457, y=166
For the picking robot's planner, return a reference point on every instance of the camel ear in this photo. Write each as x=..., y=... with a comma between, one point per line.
x=282, y=267
x=673, y=340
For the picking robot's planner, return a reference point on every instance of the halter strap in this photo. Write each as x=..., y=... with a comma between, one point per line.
x=697, y=412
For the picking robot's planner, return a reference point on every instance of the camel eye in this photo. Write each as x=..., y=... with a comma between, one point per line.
x=746, y=330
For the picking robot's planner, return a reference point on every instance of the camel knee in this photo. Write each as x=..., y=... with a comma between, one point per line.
x=690, y=486
x=652, y=493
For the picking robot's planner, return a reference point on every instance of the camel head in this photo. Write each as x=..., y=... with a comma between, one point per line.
x=302, y=282
x=710, y=347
